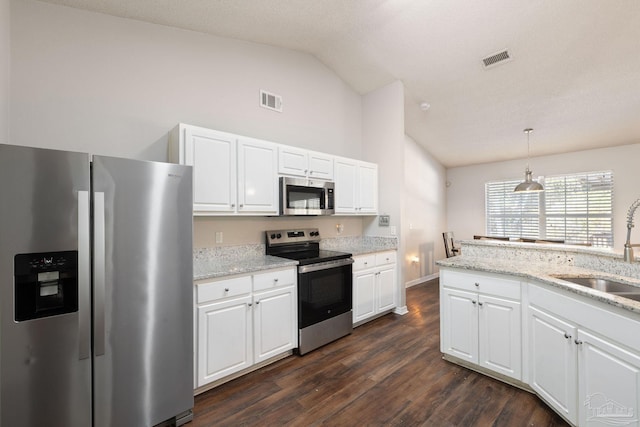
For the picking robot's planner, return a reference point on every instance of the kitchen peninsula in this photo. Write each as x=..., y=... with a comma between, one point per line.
x=510, y=311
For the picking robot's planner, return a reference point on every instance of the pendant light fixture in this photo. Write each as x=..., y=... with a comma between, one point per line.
x=528, y=184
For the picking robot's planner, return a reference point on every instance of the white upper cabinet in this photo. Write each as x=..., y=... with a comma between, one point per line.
x=303, y=163
x=231, y=174
x=356, y=187
x=257, y=176
x=238, y=175
x=213, y=157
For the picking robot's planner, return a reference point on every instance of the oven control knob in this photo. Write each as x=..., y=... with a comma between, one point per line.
x=273, y=235
x=279, y=235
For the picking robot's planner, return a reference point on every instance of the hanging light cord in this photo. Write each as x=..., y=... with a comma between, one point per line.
x=528, y=132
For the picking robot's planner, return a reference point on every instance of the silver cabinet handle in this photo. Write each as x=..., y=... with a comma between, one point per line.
x=233, y=205
x=567, y=336
x=226, y=289
x=477, y=284
x=480, y=304
x=577, y=341
x=275, y=280
x=249, y=304
x=84, y=276
x=474, y=302
x=257, y=302
x=240, y=206
x=99, y=273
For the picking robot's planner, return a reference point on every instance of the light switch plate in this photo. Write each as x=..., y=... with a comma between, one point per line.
x=383, y=220
x=218, y=236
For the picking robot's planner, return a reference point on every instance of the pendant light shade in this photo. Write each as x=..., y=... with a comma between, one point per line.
x=528, y=184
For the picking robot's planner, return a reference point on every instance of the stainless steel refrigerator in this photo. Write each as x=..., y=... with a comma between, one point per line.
x=96, y=301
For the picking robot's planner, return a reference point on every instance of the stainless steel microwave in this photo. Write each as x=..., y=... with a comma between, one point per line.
x=306, y=197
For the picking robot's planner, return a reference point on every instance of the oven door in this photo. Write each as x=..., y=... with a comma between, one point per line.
x=324, y=290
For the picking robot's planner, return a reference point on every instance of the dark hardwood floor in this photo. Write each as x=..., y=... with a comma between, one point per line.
x=388, y=372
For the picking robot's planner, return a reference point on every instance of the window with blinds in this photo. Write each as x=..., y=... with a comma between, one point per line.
x=511, y=214
x=579, y=208
x=576, y=208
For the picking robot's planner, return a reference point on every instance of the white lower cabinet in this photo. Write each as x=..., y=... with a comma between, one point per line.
x=374, y=285
x=552, y=362
x=481, y=320
x=576, y=364
x=609, y=379
x=243, y=321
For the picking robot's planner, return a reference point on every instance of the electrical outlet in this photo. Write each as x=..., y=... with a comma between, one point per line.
x=392, y=230
x=219, y=237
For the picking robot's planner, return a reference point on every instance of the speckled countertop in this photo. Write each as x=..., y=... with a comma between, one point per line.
x=211, y=263
x=548, y=264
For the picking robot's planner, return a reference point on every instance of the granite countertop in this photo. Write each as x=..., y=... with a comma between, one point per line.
x=211, y=263
x=550, y=274
x=226, y=266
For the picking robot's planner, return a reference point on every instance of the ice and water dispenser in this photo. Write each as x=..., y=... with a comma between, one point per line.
x=46, y=284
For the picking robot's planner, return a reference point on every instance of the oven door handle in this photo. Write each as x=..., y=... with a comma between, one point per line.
x=324, y=265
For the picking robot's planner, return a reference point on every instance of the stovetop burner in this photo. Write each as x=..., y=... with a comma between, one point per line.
x=302, y=245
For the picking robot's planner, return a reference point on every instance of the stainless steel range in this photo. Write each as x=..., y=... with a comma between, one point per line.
x=325, y=294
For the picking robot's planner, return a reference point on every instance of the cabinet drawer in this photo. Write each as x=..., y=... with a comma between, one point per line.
x=388, y=257
x=206, y=292
x=273, y=279
x=490, y=284
x=364, y=261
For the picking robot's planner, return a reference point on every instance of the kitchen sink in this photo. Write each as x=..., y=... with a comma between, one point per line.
x=605, y=285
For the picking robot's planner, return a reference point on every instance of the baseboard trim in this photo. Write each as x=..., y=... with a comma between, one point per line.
x=421, y=280
x=401, y=310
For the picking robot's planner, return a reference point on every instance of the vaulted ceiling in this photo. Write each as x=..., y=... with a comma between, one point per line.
x=573, y=73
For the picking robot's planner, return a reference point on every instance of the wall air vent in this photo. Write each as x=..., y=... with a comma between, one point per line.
x=270, y=101
x=496, y=59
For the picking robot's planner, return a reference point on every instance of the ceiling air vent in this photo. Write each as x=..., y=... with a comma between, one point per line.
x=270, y=101
x=496, y=59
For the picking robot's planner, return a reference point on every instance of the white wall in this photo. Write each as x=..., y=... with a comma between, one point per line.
x=383, y=136
x=4, y=70
x=424, y=217
x=91, y=82
x=84, y=81
x=465, y=195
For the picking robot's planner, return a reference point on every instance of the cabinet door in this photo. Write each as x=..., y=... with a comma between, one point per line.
x=213, y=157
x=364, y=289
x=552, y=362
x=500, y=336
x=257, y=177
x=386, y=288
x=459, y=324
x=292, y=161
x=367, y=188
x=320, y=166
x=274, y=322
x=609, y=378
x=345, y=180
x=224, y=339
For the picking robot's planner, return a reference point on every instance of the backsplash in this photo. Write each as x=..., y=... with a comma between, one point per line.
x=604, y=260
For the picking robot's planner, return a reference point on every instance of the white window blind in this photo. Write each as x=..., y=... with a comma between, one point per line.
x=576, y=208
x=511, y=214
x=579, y=208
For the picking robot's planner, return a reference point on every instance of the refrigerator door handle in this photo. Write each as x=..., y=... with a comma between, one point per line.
x=84, y=275
x=99, y=272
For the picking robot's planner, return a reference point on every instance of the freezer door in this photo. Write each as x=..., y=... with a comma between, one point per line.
x=45, y=363
x=143, y=291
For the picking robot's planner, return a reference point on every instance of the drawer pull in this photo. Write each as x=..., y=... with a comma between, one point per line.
x=578, y=342
x=226, y=289
x=257, y=302
x=275, y=280
x=480, y=304
x=477, y=284
x=567, y=336
x=474, y=302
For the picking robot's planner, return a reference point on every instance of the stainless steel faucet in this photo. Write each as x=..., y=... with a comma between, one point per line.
x=628, y=247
